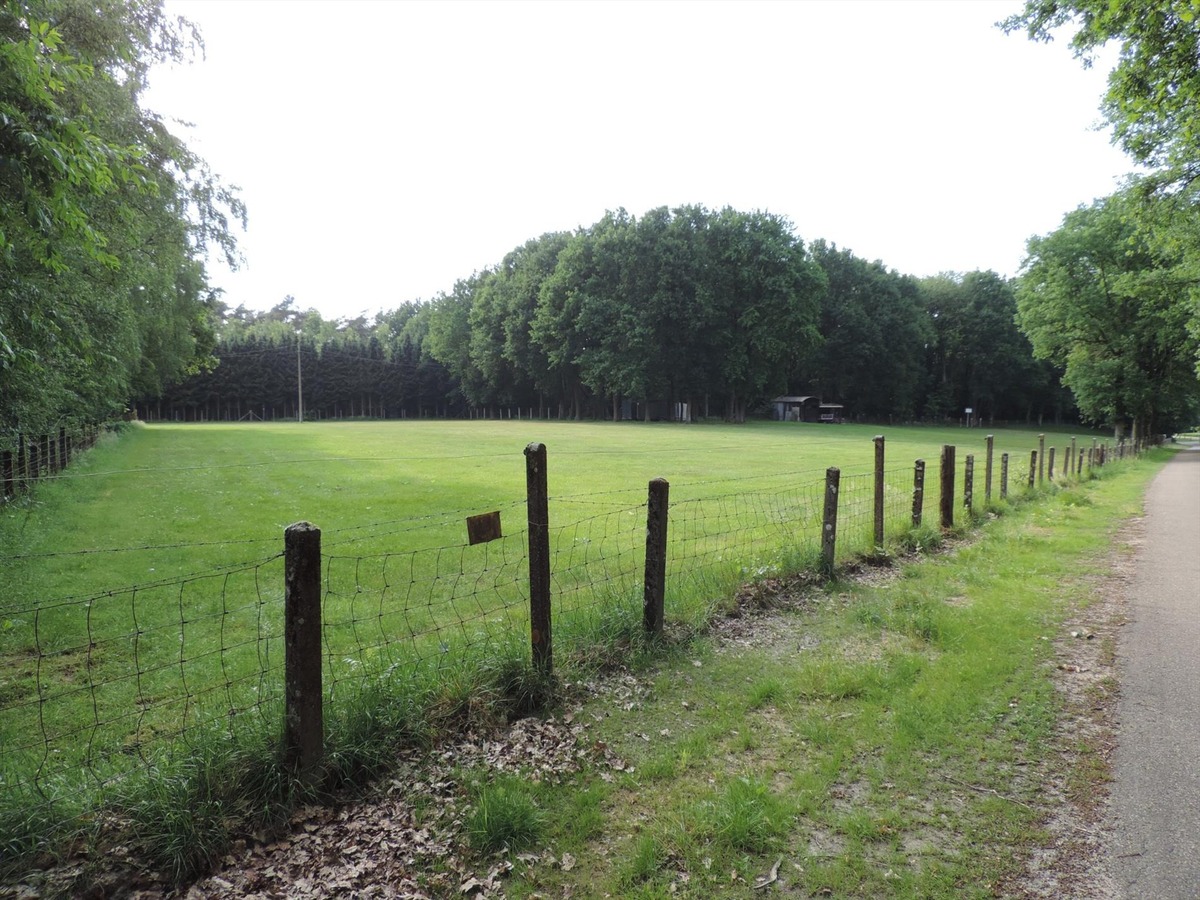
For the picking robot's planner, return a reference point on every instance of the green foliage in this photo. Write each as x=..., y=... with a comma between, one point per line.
x=764, y=693
x=1153, y=97
x=1153, y=105
x=667, y=307
x=721, y=310
x=869, y=313
x=1099, y=295
x=104, y=215
x=979, y=359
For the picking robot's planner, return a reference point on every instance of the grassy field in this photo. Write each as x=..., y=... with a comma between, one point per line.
x=143, y=589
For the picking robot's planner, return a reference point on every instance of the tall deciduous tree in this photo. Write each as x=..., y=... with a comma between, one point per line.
x=874, y=331
x=979, y=359
x=1153, y=97
x=1153, y=104
x=762, y=293
x=1099, y=297
x=104, y=215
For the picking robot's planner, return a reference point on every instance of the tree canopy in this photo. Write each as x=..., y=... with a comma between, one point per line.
x=1100, y=295
x=1153, y=97
x=678, y=313
x=105, y=216
x=1153, y=105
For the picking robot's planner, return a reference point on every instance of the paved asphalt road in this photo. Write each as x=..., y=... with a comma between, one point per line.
x=1156, y=789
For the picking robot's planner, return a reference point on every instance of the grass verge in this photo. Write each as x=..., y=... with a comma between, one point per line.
x=878, y=737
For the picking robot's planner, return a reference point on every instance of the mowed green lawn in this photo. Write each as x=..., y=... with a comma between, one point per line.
x=143, y=590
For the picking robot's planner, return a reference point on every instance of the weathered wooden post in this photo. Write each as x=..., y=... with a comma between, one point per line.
x=969, y=483
x=1041, y=476
x=22, y=479
x=1033, y=464
x=1003, y=476
x=1050, y=465
x=538, y=506
x=879, y=489
x=656, y=556
x=987, y=470
x=918, y=492
x=947, y=486
x=8, y=474
x=1073, y=458
x=304, y=727
x=829, y=526
x=35, y=461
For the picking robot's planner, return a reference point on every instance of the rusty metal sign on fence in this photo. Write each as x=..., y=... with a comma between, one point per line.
x=483, y=527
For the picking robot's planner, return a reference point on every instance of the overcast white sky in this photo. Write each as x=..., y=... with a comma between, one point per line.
x=386, y=149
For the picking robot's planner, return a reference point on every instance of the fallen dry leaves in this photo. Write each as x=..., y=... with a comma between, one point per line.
x=408, y=842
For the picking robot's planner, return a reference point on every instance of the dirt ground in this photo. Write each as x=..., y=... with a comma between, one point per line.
x=1077, y=861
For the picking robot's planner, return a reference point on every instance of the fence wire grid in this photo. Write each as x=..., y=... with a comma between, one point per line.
x=95, y=686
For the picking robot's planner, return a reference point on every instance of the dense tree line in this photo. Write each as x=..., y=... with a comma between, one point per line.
x=1109, y=301
x=104, y=215
x=268, y=363
x=688, y=309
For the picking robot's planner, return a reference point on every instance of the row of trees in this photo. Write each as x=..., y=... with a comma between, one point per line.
x=1114, y=293
x=270, y=363
x=105, y=215
x=717, y=310
x=723, y=310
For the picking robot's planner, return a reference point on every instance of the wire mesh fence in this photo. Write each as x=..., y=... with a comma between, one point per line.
x=25, y=459
x=95, y=686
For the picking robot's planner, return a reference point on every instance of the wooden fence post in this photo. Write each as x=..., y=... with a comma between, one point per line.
x=1003, y=476
x=304, y=727
x=969, y=483
x=947, y=486
x=538, y=506
x=987, y=470
x=1071, y=458
x=35, y=461
x=879, y=488
x=656, y=556
x=64, y=457
x=918, y=492
x=6, y=470
x=833, y=477
x=22, y=479
x=1050, y=465
x=1041, y=457
x=1033, y=464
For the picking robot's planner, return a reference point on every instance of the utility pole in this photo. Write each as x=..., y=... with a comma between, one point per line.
x=299, y=384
